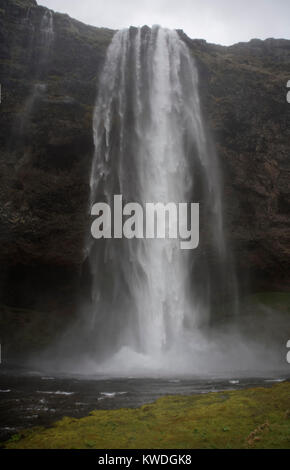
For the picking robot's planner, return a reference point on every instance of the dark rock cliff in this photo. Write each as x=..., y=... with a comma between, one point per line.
x=46, y=146
x=244, y=98
x=46, y=140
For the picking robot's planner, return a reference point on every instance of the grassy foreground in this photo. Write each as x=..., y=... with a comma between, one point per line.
x=254, y=418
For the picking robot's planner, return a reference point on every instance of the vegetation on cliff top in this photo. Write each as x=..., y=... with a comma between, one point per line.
x=255, y=418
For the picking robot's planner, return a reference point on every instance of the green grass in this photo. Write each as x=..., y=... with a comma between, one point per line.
x=277, y=300
x=254, y=418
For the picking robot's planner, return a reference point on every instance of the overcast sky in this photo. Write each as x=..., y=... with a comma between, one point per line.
x=219, y=21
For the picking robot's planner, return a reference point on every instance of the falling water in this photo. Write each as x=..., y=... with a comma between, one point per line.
x=47, y=30
x=39, y=87
x=149, y=296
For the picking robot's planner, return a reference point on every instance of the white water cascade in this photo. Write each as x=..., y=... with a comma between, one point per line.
x=45, y=40
x=47, y=30
x=149, y=296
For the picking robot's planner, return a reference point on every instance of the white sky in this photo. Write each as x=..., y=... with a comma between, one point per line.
x=218, y=21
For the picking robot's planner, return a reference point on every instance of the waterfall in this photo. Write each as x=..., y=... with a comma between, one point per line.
x=47, y=30
x=45, y=40
x=148, y=296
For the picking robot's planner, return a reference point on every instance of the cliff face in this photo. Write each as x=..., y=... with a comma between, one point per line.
x=244, y=97
x=49, y=72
